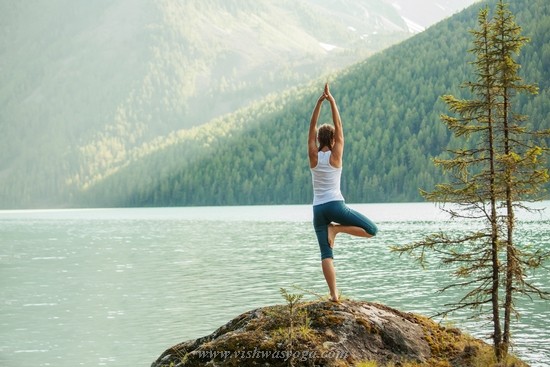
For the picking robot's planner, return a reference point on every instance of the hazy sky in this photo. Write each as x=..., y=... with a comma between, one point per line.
x=428, y=12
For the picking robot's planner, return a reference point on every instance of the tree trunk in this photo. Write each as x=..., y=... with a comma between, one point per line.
x=510, y=250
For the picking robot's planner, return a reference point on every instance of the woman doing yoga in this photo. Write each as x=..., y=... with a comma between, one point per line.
x=331, y=215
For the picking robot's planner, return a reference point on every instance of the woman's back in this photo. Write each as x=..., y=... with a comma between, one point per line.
x=326, y=180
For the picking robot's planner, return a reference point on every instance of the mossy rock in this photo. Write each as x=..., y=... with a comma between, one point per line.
x=324, y=333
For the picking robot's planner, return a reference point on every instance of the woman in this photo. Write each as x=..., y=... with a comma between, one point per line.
x=330, y=213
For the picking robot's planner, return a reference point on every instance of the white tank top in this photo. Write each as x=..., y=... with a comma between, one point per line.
x=326, y=180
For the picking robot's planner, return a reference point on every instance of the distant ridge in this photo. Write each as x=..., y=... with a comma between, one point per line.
x=101, y=100
x=390, y=106
x=87, y=87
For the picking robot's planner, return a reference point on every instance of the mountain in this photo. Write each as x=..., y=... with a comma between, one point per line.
x=86, y=88
x=419, y=15
x=390, y=105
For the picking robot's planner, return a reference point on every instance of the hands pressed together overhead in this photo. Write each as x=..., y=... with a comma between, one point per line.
x=326, y=94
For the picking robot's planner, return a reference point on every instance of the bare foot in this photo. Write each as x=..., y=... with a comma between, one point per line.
x=331, y=234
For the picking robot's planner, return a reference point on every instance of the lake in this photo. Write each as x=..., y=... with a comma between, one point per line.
x=116, y=287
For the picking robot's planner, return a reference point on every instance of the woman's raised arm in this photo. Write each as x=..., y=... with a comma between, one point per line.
x=312, y=136
x=338, y=146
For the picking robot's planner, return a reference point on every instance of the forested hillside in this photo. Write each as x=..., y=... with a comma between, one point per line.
x=390, y=106
x=86, y=87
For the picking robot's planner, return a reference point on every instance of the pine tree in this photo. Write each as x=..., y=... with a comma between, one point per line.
x=522, y=171
x=500, y=168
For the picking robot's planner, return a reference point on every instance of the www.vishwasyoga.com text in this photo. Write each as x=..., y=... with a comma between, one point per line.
x=297, y=355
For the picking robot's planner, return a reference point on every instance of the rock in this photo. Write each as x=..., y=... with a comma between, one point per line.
x=325, y=333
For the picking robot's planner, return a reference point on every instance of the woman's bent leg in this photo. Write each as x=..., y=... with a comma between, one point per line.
x=351, y=222
x=334, y=229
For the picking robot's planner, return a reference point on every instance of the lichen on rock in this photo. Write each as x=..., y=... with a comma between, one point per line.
x=324, y=333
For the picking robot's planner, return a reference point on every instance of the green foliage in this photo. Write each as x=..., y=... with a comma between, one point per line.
x=294, y=321
x=367, y=364
x=88, y=87
x=138, y=134
x=500, y=165
x=390, y=109
x=291, y=299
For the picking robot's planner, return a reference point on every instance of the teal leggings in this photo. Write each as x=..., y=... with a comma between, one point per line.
x=337, y=212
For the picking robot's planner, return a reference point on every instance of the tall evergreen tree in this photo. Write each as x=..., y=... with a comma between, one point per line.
x=523, y=172
x=501, y=167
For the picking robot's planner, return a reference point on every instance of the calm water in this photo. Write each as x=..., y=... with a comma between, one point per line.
x=116, y=287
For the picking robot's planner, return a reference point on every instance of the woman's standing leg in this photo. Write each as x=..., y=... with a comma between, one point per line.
x=330, y=276
x=327, y=263
x=321, y=225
